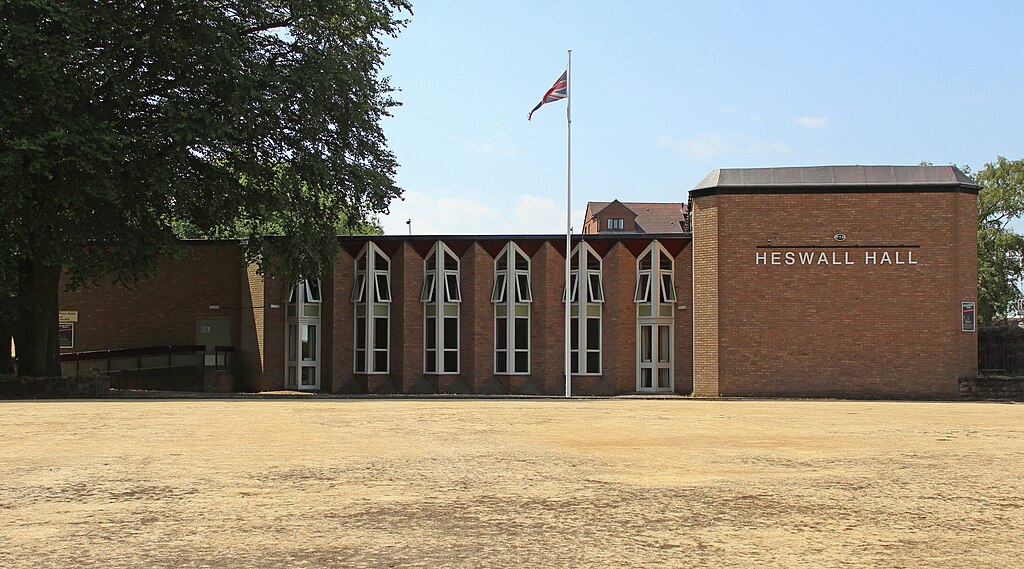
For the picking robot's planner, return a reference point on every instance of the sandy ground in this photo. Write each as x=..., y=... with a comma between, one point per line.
x=510, y=483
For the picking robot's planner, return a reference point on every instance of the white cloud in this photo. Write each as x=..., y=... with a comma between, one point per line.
x=472, y=216
x=715, y=145
x=500, y=144
x=812, y=122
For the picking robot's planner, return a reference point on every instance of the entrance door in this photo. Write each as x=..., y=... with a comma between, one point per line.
x=654, y=371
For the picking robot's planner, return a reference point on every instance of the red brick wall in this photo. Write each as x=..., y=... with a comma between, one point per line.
x=853, y=330
x=163, y=310
x=705, y=297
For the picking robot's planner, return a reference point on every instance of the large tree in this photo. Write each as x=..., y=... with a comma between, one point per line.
x=121, y=120
x=1000, y=249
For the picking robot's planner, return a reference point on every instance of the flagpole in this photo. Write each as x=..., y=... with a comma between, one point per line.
x=568, y=224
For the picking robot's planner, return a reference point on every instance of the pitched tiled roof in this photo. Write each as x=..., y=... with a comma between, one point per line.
x=651, y=217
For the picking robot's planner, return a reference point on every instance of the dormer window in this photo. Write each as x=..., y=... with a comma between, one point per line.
x=616, y=223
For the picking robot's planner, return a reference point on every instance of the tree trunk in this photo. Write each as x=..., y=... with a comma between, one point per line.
x=6, y=333
x=36, y=326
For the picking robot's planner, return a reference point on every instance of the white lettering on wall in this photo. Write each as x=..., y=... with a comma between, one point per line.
x=894, y=257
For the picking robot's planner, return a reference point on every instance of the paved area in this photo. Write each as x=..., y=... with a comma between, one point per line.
x=510, y=483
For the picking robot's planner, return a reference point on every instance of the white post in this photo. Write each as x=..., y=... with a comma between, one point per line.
x=568, y=225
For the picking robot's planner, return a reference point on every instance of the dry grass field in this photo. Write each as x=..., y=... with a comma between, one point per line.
x=510, y=483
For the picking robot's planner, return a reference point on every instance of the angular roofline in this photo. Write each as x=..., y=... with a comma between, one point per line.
x=835, y=179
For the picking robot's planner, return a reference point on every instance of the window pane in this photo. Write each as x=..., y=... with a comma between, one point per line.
x=574, y=262
x=308, y=343
x=502, y=261
x=427, y=294
x=380, y=361
x=668, y=292
x=501, y=334
x=383, y=288
x=664, y=341
x=523, y=293
x=574, y=362
x=360, y=333
x=522, y=333
x=645, y=378
x=358, y=287
x=666, y=261
x=593, y=362
x=380, y=333
x=380, y=262
x=308, y=376
x=522, y=263
x=291, y=376
x=595, y=292
x=291, y=296
x=593, y=261
x=522, y=362
x=645, y=262
x=293, y=340
x=451, y=333
x=451, y=263
x=431, y=362
x=451, y=362
x=574, y=333
x=361, y=261
x=663, y=378
x=498, y=292
x=500, y=362
x=452, y=293
x=432, y=261
x=431, y=333
x=361, y=361
x=573, y=277
x=313, y=290
x=645, y=344
x=311, y=310
x=643, y=288
x=593, y=333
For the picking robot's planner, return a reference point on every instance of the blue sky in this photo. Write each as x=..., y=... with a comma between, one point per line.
x=665, y=92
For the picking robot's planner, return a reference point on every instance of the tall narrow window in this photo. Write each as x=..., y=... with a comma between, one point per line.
x=655, y=293
x=302, y=366
x=586, y=294
x=371, y=294
x=441, y=297
x=512, y=296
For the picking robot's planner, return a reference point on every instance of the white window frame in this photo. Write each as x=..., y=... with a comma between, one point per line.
x=366, y=302
x=441, y=297
x=510, y=299
x=660, y=291
x=581, y=282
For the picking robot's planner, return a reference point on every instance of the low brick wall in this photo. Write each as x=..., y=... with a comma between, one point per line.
x=994, y=387
x=219, y=382
x=13, y=387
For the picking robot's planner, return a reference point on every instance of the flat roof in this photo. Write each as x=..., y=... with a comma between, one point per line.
x=807, y=179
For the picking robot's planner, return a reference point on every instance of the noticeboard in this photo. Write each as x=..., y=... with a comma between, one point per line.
x=66, y=334
x=969, y=320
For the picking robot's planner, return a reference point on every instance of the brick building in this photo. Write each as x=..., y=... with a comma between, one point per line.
x=850, y=280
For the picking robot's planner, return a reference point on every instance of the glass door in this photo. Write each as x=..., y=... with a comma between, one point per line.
x=654, y=357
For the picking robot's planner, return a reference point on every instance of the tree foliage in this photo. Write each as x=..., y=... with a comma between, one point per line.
x=1000, y=249
x=121, y=120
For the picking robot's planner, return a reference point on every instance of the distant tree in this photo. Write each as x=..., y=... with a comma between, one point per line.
x=1000, y=249
x=121, y=119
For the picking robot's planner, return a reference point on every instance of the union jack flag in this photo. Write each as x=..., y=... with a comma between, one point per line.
x=557, y=92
